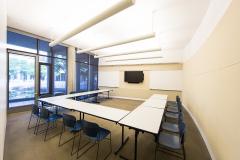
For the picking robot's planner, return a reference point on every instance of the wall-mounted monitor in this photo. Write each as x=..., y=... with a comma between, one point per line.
x=133, y=76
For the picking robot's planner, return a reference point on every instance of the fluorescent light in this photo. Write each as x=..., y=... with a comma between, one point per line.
x=127, y=59
x=132, y=39
x=102, y=16
x=127, y=53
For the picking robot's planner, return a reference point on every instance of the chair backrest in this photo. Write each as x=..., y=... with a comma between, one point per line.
x=69, y=120
x=59, y=94
x=72, y=92
x=35, y=109
x=45, y=95
x=44, y=113
x=181, y=131
x=90, y=129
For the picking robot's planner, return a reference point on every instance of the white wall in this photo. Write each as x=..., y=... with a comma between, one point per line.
x=3, y=75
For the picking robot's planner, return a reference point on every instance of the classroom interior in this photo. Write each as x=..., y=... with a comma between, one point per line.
x=119, y=79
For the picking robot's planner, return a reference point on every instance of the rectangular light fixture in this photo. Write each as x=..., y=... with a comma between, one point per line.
x=102, y=16
x=129, y=40
x=127, y=59
x=127, y=53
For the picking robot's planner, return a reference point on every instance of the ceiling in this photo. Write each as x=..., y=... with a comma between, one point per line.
x=173, y=21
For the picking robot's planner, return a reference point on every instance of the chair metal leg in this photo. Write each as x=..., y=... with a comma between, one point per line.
x=59, y=143
x=73, y=144
x=98, y=143
x=46, y=132
x=37, y=126
x=30, y=121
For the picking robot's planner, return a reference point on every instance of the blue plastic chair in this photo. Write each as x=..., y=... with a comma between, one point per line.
x=172, y=144
x=48, y=118
x=73, y=126
x=96, y=134
x=173, y=127
x=176, y=109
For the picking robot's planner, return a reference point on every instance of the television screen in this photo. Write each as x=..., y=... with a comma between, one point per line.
x=133, y=76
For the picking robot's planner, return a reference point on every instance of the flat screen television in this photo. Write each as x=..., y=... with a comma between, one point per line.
x=133, y=76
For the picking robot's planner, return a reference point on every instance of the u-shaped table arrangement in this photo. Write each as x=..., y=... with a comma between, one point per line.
x=153, y=107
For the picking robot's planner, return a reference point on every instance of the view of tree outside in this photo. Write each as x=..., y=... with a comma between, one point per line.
x=21, y=77
x=60, y=72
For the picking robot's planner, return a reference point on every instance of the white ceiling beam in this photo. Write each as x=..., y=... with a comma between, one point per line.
x=127, y=59
x=127, y=53
x=121, y=42
x=102, y=16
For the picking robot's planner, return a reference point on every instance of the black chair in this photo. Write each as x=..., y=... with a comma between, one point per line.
x=172, y=144
x=72, y=92
x=48, y=118
x=44, y=104
x=96, y=134
x=59, y=94
x=34, y=114
x=73, y=126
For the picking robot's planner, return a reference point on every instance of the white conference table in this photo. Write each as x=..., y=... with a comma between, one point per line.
x=104, y=112
x=145, y=118
x=51, y=99
x=153, y=108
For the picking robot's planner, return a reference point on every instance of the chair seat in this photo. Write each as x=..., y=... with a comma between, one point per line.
x=102, y=134
x=77, y=127
x=169, y=140
x=54, y=117
x=172, y=109
x=171, y=103
x=171, y=115
x=170, y=127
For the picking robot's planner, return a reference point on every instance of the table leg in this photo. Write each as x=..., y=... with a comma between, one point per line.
x=136, y=140
x=108, y=95
x=80, y=115
x=135, y=146
x=123, y=142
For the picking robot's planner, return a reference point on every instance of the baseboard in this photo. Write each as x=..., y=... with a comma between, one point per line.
x=201, y=132
x=129, y=98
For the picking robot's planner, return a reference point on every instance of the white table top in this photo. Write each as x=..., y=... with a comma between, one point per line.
x=155, y=103
x=51, y=99
x=97, y=110
x=159, y=96
x=144, y=118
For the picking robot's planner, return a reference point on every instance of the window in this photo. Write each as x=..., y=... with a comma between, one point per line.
x=52, y=64
x=60, y=69
x=21, y=80
x=86, y=72
x=21, y=42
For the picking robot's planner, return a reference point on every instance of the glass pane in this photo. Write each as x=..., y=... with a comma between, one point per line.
x=44, y=48
x=21, y=80
x=60, y=75
x=83, y=58
x=45, y=59
x=21, y=42
x=93, y=77
x=44, y=79
x=93, y=61
x=59, y=51
x=82, y=75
